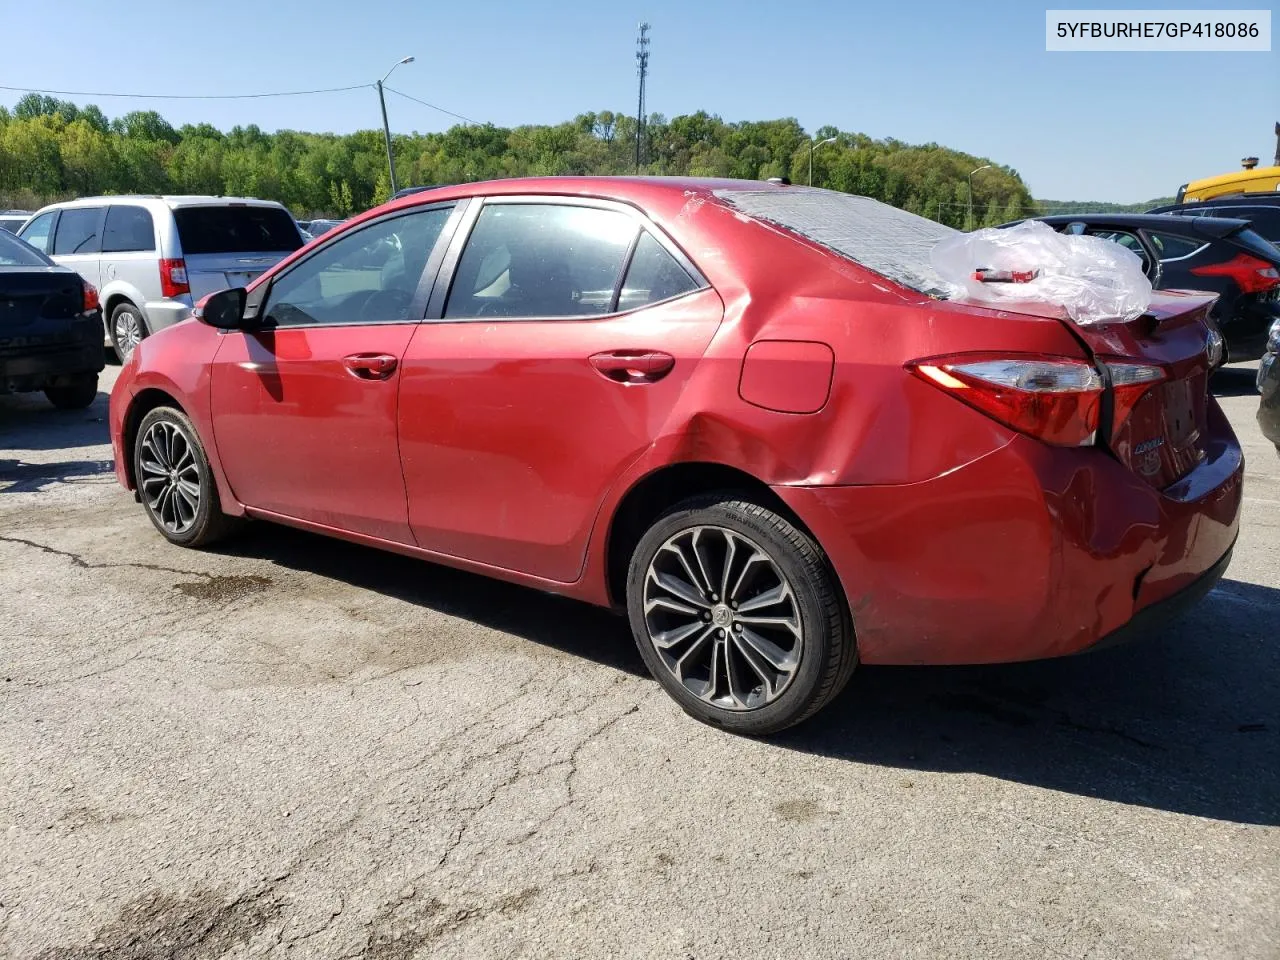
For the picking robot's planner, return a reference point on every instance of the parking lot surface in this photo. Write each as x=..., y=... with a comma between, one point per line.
x=297, y=747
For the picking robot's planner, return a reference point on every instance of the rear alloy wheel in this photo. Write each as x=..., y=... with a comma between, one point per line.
x=73, y=393
x=126, y=329
x=737, y=615
x=175, y=484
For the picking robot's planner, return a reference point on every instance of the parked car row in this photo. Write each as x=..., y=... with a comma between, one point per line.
x=151, y=257
x=1217, y=255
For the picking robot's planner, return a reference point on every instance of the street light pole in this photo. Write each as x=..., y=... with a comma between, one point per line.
x=812, y=147
x=969, y=222
x=386, y=127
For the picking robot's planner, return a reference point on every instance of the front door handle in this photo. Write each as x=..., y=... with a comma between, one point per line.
x=370, y=366
x=633, y=366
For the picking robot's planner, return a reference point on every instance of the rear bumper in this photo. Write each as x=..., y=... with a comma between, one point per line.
x=1028, y=552
x=1150, y=618
x=165, y=313
x=33, y=369
x=1246, y=333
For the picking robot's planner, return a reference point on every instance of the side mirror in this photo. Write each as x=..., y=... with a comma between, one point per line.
x=224, y=310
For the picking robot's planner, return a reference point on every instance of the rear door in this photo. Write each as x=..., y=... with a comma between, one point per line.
x=304, y=410
x=232, y=244
x=568, y=334
x=129, y=249
x=77, y=241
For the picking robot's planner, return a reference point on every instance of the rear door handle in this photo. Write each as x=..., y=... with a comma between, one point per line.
x=370, y=366
x=633, y=366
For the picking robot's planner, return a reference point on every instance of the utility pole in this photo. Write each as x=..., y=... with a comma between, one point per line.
x=969, y=218
x=642, y=68
x=386, y=127
x=814, y=146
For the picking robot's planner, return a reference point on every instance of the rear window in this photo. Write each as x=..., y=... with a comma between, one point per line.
x=1255, y=243
x=236, y=230
x=892, y=242
x=16, y=253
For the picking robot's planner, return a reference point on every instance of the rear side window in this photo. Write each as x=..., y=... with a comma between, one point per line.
x=128, y=230
x=540, y=260
x=236, y=230
x=37, y=231
x=15, y=253
x=78, y=231
x=1170, y=247
x=653, y=276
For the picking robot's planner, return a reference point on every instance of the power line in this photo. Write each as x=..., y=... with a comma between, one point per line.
x=187, y=96
x=433, y=106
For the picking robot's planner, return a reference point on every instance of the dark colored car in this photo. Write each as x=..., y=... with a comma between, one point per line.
x=320, y=227
x=742, y=412
x=1262, y=210
x=1221, y=256
x=50, y=327
x=1269, y=387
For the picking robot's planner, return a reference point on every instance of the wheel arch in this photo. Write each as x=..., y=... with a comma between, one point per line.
x=144, y=401
x=656, y=492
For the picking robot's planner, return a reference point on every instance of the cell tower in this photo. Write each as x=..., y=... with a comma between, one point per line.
x=642, y=68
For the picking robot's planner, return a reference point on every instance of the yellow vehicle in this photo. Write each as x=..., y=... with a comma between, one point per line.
x=1250, y=179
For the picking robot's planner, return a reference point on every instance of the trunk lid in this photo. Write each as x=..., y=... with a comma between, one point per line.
x=37, y=305
x=1157, y=429
x=210, y=272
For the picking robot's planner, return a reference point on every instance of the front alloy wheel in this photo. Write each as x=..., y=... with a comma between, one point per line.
x=174, y=481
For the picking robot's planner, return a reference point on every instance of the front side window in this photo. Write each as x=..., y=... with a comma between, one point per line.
x=128, y=230
x=540, y=260
x=78, y=231
x=368, y=276
x=37, y=231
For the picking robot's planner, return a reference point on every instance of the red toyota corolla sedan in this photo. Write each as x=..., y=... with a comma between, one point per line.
x=742, y=411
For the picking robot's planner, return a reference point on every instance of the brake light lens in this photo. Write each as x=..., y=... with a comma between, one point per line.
x=1055, y=399
x=1129, y=384
x=90, y=297
x=1251, y=274
x=173, y=278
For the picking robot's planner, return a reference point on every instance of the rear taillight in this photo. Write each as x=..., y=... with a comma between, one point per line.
x=1129, y=384
x=90, y=296
x=1055, y=399
x=1251, y=274
x=173, y=278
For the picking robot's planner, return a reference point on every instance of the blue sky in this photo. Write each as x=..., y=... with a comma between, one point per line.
x=971, y=75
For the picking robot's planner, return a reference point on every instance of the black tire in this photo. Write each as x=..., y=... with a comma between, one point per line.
x=73, y=393
x=825, y=646
x=123, y=309
x=198, y=527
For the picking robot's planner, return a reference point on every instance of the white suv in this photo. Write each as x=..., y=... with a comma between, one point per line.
x=152, y=257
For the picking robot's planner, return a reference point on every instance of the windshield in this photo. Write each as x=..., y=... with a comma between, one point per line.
x=892, y=242
x=18, y=253
x=236, y=230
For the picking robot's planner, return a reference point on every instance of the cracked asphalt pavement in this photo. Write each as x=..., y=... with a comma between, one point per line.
x=298, y=747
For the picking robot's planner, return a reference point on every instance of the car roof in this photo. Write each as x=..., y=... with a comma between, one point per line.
x=173, y=201
x=627, y=189
x=1212, y=226
x=1268, y=200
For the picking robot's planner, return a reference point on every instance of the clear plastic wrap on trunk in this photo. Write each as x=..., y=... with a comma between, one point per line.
x=1093, y=279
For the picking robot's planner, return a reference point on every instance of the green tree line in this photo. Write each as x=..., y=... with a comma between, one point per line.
x=52, y=149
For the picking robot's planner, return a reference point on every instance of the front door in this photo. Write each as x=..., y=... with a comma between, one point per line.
x=304, y=410
x=569, y=333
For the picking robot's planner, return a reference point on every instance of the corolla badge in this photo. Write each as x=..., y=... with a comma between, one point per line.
x=1146, y=455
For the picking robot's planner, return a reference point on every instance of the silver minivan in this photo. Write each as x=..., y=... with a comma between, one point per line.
x=152, y=257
